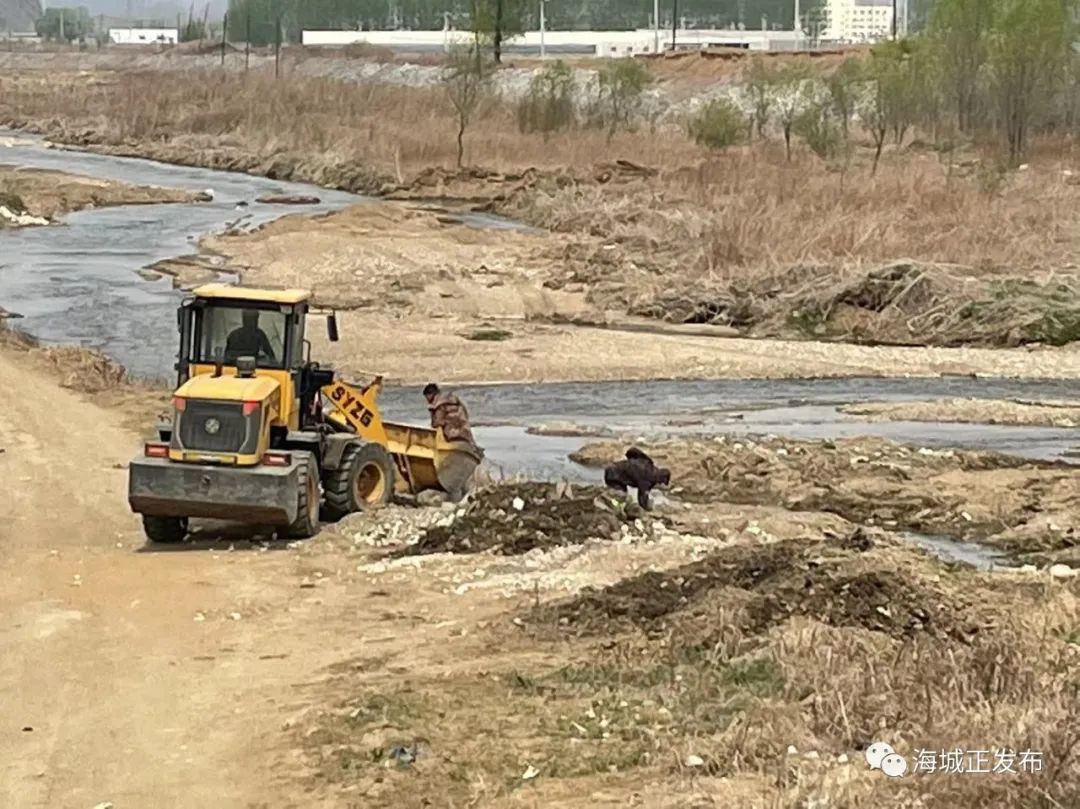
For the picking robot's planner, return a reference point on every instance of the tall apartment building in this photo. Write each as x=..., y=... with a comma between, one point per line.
x=857, y=20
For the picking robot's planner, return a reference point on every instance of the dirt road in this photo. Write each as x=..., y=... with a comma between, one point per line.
x=172, y=678
x=113, y=690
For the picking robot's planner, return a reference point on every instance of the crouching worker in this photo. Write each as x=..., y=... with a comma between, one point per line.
x=637, y=471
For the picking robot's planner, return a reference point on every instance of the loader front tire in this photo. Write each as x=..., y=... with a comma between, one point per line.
x=165, y=530
x=306, y=523
x=364, y=478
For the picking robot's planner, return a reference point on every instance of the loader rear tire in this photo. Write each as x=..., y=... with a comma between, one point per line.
x=306, y=523
x=165, y=530
x=364, y=478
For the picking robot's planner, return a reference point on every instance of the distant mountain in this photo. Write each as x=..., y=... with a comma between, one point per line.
x=19, y=16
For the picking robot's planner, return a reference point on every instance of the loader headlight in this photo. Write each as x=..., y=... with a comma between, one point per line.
x=212, y=426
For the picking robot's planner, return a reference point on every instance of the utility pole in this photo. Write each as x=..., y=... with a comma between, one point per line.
x=224, y=36
x=674, y=22
x=894, y=19
x=798, y=27
x=543, y=50
x=247, y=42
x=277, y=47
x=656, y=25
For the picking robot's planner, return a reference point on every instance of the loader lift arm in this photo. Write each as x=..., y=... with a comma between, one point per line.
x=357, y=405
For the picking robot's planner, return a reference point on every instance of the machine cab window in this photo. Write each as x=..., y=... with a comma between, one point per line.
x=232, y=332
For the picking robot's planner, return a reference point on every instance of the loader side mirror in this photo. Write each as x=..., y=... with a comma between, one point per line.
x=331, y=327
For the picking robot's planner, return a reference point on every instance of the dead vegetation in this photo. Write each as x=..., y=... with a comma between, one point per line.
x=755, y=676
x=97, y=377
x=742, y=238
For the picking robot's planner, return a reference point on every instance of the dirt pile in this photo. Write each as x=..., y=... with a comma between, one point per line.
x=516, y=518
x=844, y=582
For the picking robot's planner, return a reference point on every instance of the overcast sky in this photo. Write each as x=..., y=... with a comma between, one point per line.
x=144, y=8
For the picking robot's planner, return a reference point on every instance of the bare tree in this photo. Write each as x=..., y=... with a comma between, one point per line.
x=467, y=79
x=794, y=90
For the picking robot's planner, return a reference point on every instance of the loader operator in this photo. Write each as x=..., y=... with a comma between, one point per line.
x=249, y=341
x=637, y=471
x=449, y=413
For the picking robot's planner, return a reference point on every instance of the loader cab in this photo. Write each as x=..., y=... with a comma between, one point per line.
x=219, y=324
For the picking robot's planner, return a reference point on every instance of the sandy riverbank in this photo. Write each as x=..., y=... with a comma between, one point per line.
x=38, y=196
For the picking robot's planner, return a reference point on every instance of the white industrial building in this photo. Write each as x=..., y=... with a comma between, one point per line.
x=599, y=43
x=144, y=36
x=857, y=20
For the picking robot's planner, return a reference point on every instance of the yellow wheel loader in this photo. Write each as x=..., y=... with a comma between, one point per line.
x=262, y=434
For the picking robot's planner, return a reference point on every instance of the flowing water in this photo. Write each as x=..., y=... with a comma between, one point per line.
x=78, y=283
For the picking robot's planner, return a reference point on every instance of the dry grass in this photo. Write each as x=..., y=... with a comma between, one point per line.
x=314, y=122
x=750, y=210
x=652, y=242
x=745, y=210
x=619, y=714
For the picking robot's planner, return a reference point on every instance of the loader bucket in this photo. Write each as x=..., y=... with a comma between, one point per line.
x=426, y=460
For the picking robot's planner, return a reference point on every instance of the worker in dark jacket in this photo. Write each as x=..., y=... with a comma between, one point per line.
x=448, y=413
x=637, y=471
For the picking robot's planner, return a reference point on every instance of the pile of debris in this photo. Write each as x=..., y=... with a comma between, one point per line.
x=841, y=582
x=393, y=525
x=514, y=519
x=900, y=303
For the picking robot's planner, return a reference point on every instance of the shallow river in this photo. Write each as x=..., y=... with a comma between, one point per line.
x=78, y=283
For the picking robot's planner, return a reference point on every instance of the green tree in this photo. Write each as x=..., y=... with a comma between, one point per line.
x=718, y=125
x=497, y=21
x=958, y=32
x=549, y=104
x=1029, y=45
x=467, y=79
x=890, y=100
x=65, y=24
x=843, y=84
x=619, y=87
x=819, y=128
x=760, y=89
